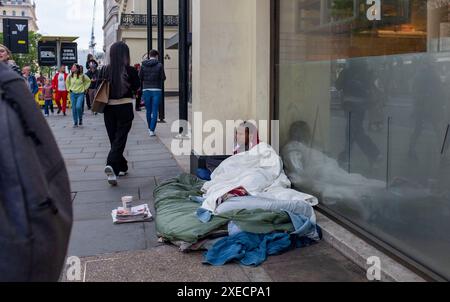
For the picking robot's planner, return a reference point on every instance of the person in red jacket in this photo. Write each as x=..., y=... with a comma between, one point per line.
x=61, y=93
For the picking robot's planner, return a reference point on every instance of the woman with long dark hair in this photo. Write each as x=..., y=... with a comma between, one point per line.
x=124, y=83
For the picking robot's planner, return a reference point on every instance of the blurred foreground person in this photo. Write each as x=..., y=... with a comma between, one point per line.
x=35, y=198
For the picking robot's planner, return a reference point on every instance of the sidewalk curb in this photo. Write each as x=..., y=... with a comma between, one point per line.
x=359, y=251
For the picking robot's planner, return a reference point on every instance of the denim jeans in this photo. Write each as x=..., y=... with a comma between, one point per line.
x=152, y=100
x=48, y=105
x=77, y=107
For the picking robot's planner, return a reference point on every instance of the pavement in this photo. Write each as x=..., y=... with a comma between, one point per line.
x=132, y=252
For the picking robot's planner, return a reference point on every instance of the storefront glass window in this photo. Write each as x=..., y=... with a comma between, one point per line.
x=364, y=109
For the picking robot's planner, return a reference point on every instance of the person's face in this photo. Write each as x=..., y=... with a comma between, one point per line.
x=4, y=57
x=242, y=136
x=47, y=82
x=26, y=71
x=62, y=69
x=74, y=68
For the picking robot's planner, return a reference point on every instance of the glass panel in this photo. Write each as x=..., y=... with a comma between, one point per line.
x=364, y=96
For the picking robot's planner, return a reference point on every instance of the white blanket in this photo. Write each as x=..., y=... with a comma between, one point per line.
x=259, y=171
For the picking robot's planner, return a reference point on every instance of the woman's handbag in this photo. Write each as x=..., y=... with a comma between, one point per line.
x=101, y=98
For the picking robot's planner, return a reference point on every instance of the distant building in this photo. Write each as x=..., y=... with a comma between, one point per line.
x=19, y=9
x=126, y=20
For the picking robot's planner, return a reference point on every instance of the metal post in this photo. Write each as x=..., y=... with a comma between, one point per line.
x=162, y=107
x=149, y=28
x=184, y=62
x=58, y=53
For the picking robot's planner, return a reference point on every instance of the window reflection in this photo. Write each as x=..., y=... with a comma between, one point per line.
x=365, y=116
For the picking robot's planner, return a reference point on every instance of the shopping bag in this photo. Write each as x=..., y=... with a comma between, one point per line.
x=101, y=98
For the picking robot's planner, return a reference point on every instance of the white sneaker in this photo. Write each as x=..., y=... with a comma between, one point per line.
x=46, y=115
x=122, y=174
x=112, y=178
x=152, y=133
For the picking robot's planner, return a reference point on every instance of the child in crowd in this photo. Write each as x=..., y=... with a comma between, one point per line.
x=47, y=95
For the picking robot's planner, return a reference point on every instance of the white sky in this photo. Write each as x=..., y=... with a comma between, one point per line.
x=71, y=18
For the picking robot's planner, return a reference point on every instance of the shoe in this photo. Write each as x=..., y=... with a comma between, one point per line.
x=112, y=178
x=46, y=115
x=75, y=126
x=64, y=113
x=151, y=133
x=59, y=111
x=122, y=174
x=81, y=123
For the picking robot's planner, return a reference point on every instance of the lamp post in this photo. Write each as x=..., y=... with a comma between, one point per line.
x=162, y=113
x=184, y=63
x=149, y=28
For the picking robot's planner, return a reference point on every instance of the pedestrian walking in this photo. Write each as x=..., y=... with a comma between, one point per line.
x=30, y=79
x=77, y=83
x=119, y=114
x=93, y=75
x=47, y=95
x=7, y=58
x=59, y=86
x=357, y=84
x=152, y=77
x=91, y=62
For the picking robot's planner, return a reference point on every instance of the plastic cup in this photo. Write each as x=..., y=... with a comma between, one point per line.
x=127, y=202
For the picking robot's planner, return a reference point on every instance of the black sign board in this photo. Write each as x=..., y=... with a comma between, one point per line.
x=69, y=54
x=15, y=33
x=48, y=53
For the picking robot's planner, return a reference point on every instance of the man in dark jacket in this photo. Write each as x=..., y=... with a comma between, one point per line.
x=152, y=76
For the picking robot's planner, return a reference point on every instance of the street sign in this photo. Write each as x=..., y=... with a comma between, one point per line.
x=47, y=53
x=69, y=54
x=16, y=35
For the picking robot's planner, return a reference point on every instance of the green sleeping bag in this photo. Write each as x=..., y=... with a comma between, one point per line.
x=176, y=214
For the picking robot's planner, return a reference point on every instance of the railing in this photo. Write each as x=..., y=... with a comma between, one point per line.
x=141, y=20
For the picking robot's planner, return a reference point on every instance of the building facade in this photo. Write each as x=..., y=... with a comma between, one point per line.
x=361, y=92
x=19, y=9
x=126, y=20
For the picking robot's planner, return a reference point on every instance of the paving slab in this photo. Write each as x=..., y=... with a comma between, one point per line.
x=85, y=151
